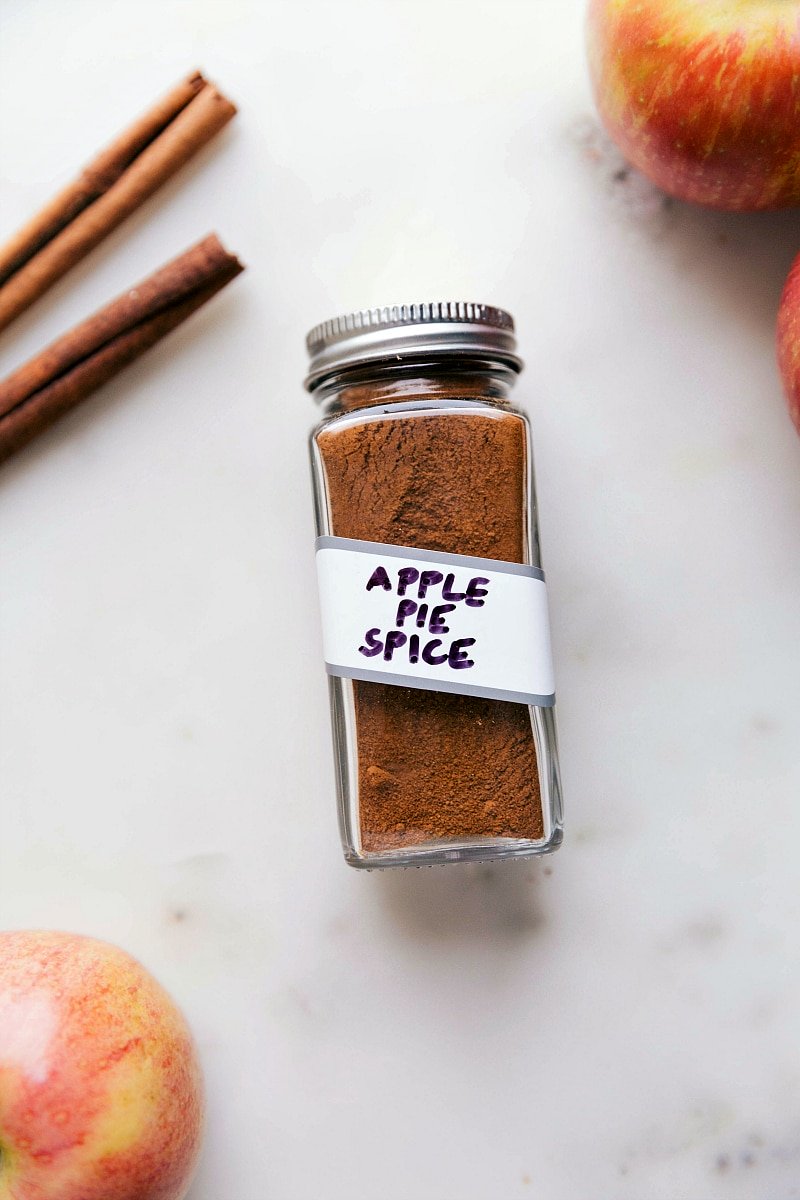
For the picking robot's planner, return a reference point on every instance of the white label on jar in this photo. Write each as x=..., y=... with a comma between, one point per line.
x=442, y=622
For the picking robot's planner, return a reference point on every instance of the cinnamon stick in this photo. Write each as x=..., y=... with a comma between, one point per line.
x=108, y=190
x=74, y=366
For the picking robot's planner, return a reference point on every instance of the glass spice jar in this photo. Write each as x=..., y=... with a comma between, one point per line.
x=434, y=608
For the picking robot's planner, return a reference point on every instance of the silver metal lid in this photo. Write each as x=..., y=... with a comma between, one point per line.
x=452, y=328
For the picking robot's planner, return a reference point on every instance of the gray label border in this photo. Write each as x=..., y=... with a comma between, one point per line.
x=438, y=685
x=327, y=542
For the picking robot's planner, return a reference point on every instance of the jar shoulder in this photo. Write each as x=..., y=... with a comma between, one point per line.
x=416, y=408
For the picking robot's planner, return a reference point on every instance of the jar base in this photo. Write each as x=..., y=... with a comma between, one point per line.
x=442, y=854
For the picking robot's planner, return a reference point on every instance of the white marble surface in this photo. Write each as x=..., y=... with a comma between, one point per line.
x=620, y=1022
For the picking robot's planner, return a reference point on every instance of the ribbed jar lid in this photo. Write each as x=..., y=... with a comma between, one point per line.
x=451, y=328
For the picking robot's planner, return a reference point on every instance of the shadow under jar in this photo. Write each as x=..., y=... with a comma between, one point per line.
x=433, y=599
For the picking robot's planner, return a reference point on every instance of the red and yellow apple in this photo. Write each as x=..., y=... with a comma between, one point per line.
x=100, y=1086
x=789, y=341
x=702, y=96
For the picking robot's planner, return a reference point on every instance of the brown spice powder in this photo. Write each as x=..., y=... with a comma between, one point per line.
x=434, y=765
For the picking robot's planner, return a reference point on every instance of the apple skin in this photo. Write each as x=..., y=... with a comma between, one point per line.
x=702, y=97
x=101, y=1094
x=789, y=341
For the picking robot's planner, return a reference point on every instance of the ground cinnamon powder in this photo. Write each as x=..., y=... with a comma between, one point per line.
x=433, y=765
